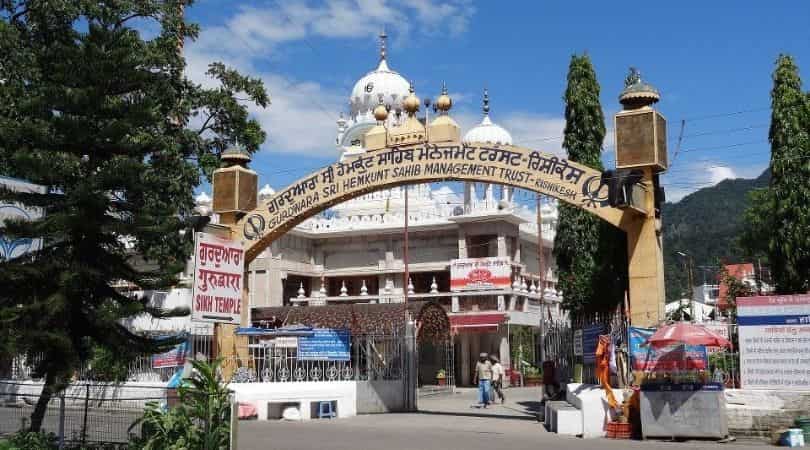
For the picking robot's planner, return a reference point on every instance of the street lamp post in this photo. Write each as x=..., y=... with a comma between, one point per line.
x=689, y=263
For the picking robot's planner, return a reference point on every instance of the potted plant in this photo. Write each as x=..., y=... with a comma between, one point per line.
x=532, y=376
x=441, y=377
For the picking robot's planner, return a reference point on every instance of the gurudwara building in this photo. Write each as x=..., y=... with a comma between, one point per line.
x=473, y=249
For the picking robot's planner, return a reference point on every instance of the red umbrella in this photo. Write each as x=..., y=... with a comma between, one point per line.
x=688, y=334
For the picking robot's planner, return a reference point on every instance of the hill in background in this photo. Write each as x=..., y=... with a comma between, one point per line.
x=705, y=224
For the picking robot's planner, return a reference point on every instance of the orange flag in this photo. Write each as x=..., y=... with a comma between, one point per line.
x=603, y=368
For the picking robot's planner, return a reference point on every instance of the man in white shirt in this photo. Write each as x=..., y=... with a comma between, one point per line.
x=498, y=374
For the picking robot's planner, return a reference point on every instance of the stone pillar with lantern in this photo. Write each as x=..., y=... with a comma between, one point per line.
x=641, y=150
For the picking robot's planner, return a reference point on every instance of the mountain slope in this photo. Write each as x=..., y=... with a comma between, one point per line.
x=705, y=225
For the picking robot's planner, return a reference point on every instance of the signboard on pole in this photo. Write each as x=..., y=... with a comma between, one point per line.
x=668, y=358
x=175, y=357
x=480, y=273
x=774, y=342
x=577, y=342
x=325, y=345
x=218, y=279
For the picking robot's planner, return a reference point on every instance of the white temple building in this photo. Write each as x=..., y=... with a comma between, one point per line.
x=353, y=252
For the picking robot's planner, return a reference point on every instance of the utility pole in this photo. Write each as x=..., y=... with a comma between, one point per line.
x=541, y=267
x=406, y=275
x=688, y=263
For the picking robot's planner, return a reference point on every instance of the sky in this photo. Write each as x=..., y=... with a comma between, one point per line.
x=711, y=61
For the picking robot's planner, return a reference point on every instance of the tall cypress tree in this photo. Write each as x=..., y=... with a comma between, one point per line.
x=789, y=238
x=590, y=254
x=99, y=115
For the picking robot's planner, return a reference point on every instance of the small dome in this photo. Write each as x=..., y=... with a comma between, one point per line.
x=202, y=199
x=444, y=102
x=266, y=191
x=411, y=102
x=486, y=131
x=382, y=81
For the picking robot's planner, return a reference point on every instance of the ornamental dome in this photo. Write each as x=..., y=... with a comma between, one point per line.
x=381, y=81
x=487, y=131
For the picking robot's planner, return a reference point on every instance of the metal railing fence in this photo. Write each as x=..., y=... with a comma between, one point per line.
x=372, y=357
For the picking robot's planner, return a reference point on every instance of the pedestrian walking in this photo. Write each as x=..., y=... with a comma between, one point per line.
x=498, y=374
x=483, y=377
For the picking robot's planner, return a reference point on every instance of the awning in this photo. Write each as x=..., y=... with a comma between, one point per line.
x=476, y=323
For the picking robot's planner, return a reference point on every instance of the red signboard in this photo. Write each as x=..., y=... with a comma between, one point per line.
x=480, y=273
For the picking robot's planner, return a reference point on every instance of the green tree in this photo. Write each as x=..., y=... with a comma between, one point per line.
x=590, y=254
x=104, y=118
x=778, y=221
x=200, y=421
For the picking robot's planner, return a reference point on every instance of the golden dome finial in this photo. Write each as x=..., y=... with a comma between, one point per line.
x=411, y=102
x=444, y=102
x=380, y=111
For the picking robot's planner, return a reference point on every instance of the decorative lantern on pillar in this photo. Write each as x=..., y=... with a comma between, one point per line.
x=235, y=186
x=641, y=131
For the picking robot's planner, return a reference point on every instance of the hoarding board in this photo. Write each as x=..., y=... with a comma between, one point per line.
x=774, y=333
x=325, y=345
x=175, y=357
x=480, y=273
x=668, y=358
x=218, y=279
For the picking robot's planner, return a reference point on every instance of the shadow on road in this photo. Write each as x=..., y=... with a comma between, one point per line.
x=519, y=415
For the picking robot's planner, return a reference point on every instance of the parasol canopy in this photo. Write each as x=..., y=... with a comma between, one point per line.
x=688, y=334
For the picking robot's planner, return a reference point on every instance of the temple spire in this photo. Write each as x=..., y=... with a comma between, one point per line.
x=383, y=39
x=486, y=102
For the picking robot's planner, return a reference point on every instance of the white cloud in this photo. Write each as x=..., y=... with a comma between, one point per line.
x=684, y=179
x=720, y=173
x=257, y=31
x=302, y=116
x=537, y=131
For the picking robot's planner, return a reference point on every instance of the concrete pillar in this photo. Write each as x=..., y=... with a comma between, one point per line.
x=512, y=302
x=506, y=358
x=489, y=198
x=501, y=303
x=454, y=304
x=645, y=264
x=411, y=364
x=502, y=250
x=462, y=243
x=466, y=368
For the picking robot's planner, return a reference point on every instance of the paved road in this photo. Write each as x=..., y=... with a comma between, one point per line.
x=444, y=423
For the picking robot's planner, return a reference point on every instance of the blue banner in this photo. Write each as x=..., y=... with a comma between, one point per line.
x=590, y=339
x=670, y=357
x=801, y=319
x=325, y=345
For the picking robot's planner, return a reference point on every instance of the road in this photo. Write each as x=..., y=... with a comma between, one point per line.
x=443, y=423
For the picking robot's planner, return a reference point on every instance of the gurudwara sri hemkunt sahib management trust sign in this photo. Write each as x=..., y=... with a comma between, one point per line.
x=218, y=279
x=480, y=273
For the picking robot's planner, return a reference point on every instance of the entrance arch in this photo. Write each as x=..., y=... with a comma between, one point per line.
x=425, y=162
x=519, y=167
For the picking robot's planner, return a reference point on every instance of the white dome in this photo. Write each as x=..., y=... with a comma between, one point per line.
x=266, y=191
x=367, y=90
x=486, y=131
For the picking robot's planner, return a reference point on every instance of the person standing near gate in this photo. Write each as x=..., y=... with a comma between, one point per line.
x=497, y=379
x=483, y=377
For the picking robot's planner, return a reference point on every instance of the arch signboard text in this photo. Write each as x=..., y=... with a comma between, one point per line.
x=519, y=167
